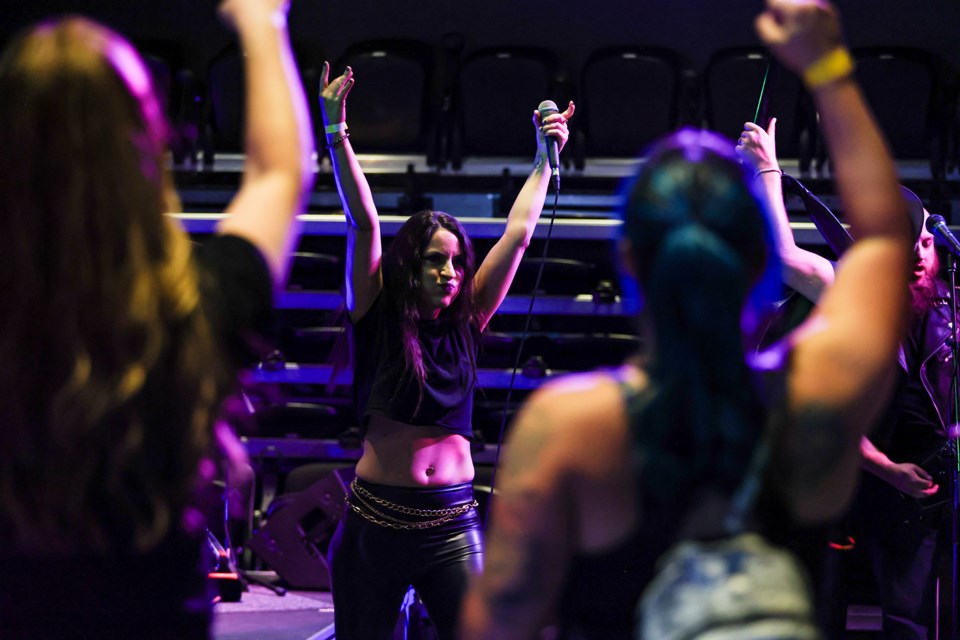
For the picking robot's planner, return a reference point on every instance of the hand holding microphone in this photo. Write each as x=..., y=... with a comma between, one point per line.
x=552, y=134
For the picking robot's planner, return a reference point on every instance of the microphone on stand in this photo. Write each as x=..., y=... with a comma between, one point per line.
x=548, y=108
x=938, y=226
x=953, y=433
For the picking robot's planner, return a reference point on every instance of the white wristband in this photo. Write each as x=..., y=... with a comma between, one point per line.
x=335, y=128
x=763, y=171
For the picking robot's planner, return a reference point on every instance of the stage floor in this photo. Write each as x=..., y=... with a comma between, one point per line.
x=263, y=615
x=308, y=615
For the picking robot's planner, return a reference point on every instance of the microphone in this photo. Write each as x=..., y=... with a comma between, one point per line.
x=548, y=108
x=938, y=227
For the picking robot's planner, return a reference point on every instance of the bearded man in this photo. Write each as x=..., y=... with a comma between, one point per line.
x=902, y=512
x=900, y=516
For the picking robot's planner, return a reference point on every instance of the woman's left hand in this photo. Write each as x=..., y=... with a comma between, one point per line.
x=555, y=126
x=333, y=95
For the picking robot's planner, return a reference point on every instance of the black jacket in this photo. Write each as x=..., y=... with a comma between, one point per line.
x=936, y=368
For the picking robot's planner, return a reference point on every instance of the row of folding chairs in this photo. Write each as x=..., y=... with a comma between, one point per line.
x=415, y=98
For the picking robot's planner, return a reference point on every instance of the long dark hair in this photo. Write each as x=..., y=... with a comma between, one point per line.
x=402, y=267
x=110, y=377
x=702, y=246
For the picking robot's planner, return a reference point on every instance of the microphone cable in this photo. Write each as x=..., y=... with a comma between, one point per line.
x=523, y=341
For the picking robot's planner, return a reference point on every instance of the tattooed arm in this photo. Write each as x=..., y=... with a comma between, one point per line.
x=530, y=539
x=496, y=273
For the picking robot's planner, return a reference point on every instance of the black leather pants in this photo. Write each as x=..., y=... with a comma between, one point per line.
x=372, y=566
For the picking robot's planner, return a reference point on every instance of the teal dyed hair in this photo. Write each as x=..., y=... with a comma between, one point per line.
x=704, y=255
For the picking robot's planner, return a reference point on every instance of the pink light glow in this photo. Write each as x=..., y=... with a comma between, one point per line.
x=133, y=72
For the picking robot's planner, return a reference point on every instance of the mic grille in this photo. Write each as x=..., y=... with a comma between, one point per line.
x=547, y=107
x=934, y=221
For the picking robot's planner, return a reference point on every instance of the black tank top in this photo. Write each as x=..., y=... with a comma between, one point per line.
x=381, y=385
x=602, y=589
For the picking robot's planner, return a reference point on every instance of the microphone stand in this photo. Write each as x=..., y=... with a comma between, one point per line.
x=955, y=447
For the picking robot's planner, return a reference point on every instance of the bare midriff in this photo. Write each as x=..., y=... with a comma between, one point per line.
x=405, y=455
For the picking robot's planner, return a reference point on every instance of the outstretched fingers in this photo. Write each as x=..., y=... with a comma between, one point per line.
x=333, y=94
x=344, y=83
x=338, y=85
x=325, y=75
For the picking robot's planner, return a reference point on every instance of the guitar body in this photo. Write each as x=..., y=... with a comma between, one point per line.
x=940, y=464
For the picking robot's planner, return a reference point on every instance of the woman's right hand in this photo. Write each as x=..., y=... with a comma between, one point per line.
x=799, y=32
x=554, y=126
x=333, y=95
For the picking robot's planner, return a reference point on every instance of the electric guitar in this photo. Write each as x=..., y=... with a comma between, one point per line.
x=939, y=463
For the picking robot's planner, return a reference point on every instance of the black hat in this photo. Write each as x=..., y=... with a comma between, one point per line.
x=914, y=210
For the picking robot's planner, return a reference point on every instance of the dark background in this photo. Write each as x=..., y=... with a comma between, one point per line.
x=694, y=28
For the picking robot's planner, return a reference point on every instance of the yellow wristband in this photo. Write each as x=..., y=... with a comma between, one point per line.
x=833, y=65
x=335, y=128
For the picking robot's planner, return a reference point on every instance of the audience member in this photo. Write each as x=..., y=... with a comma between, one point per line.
x=118, y=340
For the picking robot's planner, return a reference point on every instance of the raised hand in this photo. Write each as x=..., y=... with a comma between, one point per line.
x=799, y=32
x=555, y=126
x=237, y=13
x=759, y=147
x=333, y=95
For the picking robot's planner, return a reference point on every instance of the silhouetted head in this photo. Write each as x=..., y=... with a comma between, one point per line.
x=699, y=242
x=691, y=208
x=81, y=127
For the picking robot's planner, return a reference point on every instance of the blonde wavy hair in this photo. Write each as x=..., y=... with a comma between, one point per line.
x=109, y=374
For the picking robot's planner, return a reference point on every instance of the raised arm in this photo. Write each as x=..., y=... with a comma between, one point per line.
x=500, y=266
x=364, y=275
x=279, y=146
x=804, y=271
x=844, y=353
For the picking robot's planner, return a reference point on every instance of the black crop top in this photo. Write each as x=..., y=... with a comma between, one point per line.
x=379, y=383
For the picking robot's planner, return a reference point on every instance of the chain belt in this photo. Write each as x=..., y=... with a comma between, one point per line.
x=362, y=503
